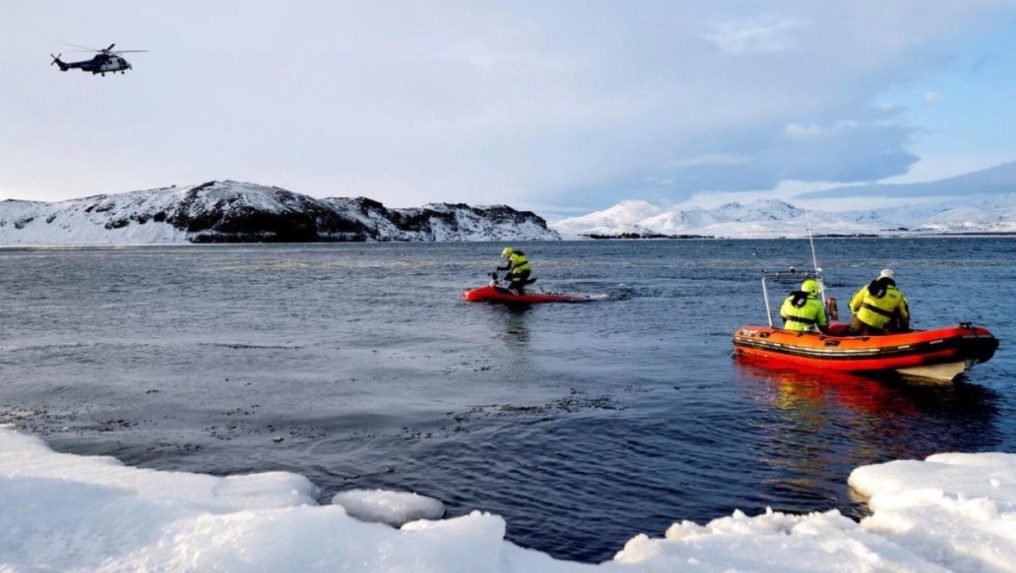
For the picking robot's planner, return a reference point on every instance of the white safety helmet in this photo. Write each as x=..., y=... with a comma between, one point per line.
x=887, y=274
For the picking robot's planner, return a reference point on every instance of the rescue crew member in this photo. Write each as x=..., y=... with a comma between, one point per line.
x=518, y=269
x=802, y=311
x=879, y=307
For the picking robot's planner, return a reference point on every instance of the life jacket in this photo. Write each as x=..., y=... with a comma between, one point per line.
x=879, y=303
x=517, y=262
x=803, y=312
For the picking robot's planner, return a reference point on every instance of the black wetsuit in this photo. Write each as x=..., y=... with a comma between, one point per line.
x=518, y=271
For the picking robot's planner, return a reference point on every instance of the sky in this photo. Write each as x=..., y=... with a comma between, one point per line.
x=563, y=107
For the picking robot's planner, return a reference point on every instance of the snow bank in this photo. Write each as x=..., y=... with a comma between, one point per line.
x=67, y=512
x=955, y=509
x=395, y=508
x=26, y=457
x=773, y=542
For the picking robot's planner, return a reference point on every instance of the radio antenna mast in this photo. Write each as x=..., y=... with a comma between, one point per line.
x=814, y=259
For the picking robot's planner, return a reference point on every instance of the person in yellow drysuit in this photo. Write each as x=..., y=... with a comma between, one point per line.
x=879, y=307
x=802, y=311
x=518, y=268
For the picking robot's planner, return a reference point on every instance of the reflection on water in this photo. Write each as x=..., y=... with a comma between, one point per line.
x=878, y=398
x=507, y=323
x=812, y=391
x=516, y=328
x=823, y=424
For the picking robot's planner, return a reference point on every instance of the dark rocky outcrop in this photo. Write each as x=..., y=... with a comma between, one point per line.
x=230, y=212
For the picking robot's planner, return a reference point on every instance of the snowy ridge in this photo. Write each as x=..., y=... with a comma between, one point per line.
x=953, y=512
x=625, y=217
x=230, y=211
x=775, y=218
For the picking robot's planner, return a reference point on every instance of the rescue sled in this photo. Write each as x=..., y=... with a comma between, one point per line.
x=494, y=292
x=941, y=354
x=498, y=294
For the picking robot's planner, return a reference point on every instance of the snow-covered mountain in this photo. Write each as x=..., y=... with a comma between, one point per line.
x=230, y=211
x=775, y=218
x=623, y=218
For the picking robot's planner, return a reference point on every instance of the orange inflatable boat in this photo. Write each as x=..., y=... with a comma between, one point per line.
x=940, y=354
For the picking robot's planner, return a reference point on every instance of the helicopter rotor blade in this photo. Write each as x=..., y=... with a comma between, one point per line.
x=109, y=48
x=86, y=48
x=127, y=51
x=55, y=58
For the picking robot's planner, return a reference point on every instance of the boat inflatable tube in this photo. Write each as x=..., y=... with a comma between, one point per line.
x=940, y=354
x=498, y=294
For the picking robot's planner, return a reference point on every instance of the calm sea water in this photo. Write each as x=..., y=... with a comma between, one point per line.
x=581, y=424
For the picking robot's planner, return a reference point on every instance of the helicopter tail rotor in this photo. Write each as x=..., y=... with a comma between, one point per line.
x=56, y=60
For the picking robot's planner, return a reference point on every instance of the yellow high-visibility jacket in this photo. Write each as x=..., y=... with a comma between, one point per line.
x=879, y=311
x=803, y=312
x=517, y=262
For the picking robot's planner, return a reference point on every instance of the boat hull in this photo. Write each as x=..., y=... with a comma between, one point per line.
x=498, y=294
x=940, y=354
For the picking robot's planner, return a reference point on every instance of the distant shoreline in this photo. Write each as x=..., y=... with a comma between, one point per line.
x=582, y=238
x=896, y=235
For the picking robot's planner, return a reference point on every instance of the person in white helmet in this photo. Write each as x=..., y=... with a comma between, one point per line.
x=879, y=307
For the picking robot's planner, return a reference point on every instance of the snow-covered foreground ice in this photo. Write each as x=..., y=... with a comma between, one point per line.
x=67, y=512
x=395, y=508
x=959, y=509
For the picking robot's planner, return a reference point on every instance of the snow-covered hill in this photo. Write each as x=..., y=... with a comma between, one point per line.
x=775, y=218
x=230, y=211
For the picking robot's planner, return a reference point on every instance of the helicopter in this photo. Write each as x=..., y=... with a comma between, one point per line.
x=105, y=60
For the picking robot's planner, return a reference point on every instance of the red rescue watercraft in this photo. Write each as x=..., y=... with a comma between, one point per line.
x=941, y=354
x=493, y=293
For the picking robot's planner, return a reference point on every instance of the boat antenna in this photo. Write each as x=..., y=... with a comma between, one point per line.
x=814, y=259
x=765, y=297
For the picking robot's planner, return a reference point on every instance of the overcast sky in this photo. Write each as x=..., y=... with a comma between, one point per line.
x=554, y=105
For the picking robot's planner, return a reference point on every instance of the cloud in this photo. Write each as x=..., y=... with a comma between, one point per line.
x=931, y=98
x=568, y=103
x=813, y=130
x=996, y=180
x=762, y=34
x=709, y=159
x=869, y=148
